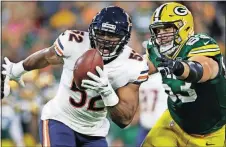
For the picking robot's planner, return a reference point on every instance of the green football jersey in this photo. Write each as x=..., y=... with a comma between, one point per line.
x=198, y=108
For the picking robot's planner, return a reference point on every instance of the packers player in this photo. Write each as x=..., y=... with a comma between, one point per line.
x=194, y=79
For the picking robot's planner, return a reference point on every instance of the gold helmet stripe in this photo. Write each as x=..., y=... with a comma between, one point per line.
x=158, y=12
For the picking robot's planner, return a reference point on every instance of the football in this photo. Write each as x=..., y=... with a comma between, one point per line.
x=87, y=62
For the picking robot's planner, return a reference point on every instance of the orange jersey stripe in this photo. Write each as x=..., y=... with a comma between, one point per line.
x=58, y=50
x=142, y=77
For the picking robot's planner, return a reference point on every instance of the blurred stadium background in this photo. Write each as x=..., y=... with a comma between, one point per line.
x=31, y=26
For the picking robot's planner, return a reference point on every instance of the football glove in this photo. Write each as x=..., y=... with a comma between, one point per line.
x=102, y=86
x=169, y=66
x=14, y=71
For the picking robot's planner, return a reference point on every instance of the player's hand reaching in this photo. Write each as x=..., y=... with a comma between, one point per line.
x=102, y=86
x=169, y=66
x=13, y=71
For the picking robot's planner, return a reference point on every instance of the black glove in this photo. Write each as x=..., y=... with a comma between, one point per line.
x=170, y=66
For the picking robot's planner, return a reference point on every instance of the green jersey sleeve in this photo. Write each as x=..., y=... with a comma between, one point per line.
x=202, y=44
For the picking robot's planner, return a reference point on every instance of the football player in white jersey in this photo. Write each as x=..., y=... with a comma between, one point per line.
x=153, y=102
x=78, y=118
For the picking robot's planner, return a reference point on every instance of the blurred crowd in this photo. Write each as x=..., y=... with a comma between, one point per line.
x=30, y=26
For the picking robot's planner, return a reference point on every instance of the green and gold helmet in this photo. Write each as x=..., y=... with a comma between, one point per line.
x=171, y=15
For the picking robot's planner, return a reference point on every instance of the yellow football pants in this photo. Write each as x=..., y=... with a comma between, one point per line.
x=167, y=133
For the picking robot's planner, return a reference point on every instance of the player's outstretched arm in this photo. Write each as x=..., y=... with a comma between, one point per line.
x=195, y=69
x=37, y=60
x=42, y=59
x=209, y=67
x=122, y=114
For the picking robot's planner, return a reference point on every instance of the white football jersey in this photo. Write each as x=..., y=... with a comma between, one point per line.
x=84, y=111
x=153, y=100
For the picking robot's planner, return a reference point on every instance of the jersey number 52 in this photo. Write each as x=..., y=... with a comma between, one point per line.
x=91, y=103
x=76, y=35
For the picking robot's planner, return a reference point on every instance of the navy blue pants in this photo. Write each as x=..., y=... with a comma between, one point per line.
x=56, y=134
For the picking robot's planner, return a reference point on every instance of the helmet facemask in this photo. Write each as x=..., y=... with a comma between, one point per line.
x=167, y=40
x=107, y=43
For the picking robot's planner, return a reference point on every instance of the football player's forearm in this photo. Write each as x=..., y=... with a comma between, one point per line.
x=122, y=113
x=205, y=67
x=210, y=67
x=42, y=59
x=193, y=71
x=35, y=61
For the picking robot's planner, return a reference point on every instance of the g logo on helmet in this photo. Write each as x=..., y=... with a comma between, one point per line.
x=182, y=11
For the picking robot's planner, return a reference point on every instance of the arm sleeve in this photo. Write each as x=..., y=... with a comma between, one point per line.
x=205, y=46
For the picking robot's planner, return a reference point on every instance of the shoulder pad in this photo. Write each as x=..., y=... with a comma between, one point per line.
x=202, y=44
x=66, y=42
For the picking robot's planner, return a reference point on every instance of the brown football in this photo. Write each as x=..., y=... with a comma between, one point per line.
x=87, y=62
